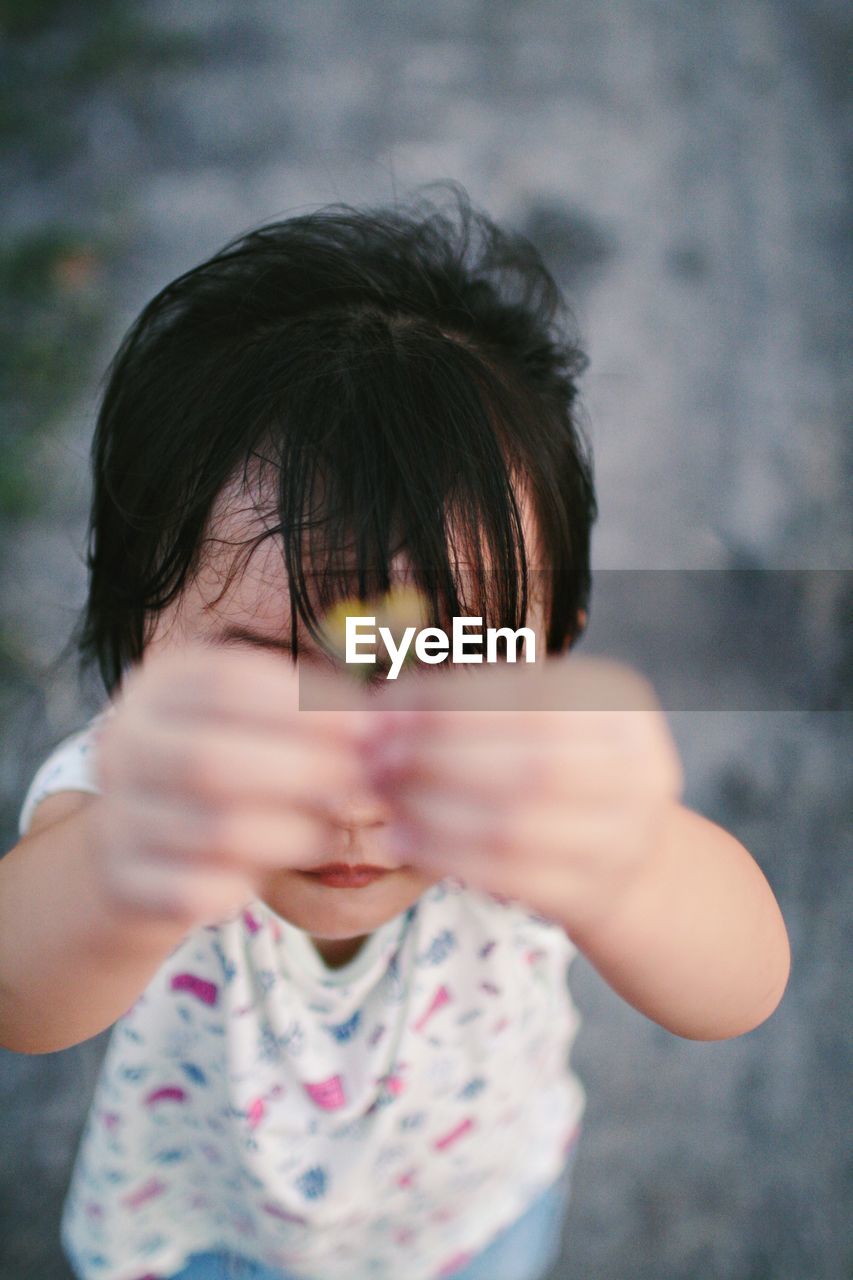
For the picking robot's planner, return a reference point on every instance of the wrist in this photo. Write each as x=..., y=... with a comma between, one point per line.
x=613, y=893
x=113, y=921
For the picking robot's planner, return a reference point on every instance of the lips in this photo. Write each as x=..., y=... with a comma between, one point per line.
x=341, y=875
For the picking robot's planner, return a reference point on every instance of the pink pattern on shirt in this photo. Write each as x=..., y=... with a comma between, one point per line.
x=463, y=1127
x=328, y=1094
x=255, y=1113
x=441, y=997
x=153, y=1187
x=393, y=1081
x=208, y=992
x=168, y=1093
x=454, y=1264
x=250, y=922
x=275, y=1211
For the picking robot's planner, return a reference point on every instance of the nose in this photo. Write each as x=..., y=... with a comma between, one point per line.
x=356, y=811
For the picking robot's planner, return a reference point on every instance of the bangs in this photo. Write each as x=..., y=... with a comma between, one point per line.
x=391, y=438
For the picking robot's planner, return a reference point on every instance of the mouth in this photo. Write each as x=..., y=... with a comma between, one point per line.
x=340, y=875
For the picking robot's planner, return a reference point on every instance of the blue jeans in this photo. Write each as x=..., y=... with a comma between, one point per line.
x=524, y=1251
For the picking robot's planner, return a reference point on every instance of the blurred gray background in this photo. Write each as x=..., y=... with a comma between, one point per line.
x=681, y=165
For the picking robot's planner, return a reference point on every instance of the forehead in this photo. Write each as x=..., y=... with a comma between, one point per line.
x=241, y=580
x=241, y=575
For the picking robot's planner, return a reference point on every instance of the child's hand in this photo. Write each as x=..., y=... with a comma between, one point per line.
x=555, y=808
x=211, y=778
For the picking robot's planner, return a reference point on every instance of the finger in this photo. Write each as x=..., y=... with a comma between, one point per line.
x=554, y=871
x=253, y=839
x=173, y=891
x=504, y=771
x=484, y=768
x=573, y=684
x=451, y=827
x=443, y=827
x=395, y=733
x=249, y=687
x=231, y=764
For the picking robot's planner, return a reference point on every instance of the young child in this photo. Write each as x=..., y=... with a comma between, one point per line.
x=335, y=941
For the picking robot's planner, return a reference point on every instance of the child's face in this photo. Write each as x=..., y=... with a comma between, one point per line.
x=256, y=603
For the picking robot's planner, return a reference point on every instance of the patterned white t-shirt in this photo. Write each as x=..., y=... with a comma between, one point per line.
x=388, y=1118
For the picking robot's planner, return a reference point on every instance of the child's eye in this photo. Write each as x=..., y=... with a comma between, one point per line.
x=237, y=637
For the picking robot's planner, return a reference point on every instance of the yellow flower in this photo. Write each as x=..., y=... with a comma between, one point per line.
x=398, y=609
x=333, y=626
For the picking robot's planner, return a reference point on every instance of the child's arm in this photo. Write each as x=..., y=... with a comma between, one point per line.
x=70, y=961
x=697, y=942
x=579, y=816
x=210, y=780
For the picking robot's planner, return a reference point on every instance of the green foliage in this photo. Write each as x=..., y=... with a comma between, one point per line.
x=59, y=57
x=23, y=17
x=51, y=314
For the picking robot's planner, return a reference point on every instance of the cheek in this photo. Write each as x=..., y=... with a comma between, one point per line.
x=425, y=880
x=166, y=630
x=187, y=619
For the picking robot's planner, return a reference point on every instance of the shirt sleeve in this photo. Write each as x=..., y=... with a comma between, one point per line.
x=70, y=767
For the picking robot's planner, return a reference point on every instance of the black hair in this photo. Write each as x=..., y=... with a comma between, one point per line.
x=399, y=370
